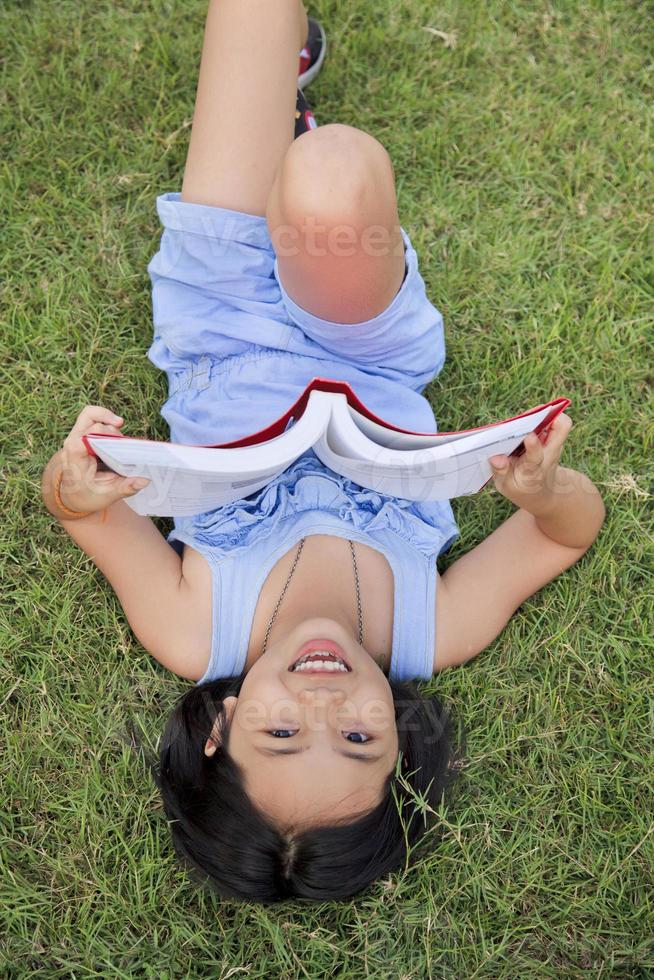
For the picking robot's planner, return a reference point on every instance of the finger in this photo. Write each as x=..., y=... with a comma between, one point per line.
x=74, y=445
x=109, y=487
x=92, y=415
x=500, y=464
x=559, y=431
x=105, y=480
x=128, y=486
x=104, y=429
x=534, y=453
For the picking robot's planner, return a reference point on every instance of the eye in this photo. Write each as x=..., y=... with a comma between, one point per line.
x=282, y=733
x=359, y=737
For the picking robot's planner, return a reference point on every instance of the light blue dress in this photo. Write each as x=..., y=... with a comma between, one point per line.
x=237, y=352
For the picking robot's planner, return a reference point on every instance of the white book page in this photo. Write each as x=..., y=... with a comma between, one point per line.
x=399, y=440
x=345, y=436
x=444, y=479
x=187, y=480
x=192, y=492
x=453, y=469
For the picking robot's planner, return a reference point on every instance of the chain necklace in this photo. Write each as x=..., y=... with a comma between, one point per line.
x=290, y=576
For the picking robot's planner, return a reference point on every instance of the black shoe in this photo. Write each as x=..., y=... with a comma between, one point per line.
x=312, y=54
x=304, y=117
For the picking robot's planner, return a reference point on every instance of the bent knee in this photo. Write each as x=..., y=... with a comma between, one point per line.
x=335, y=142
x=335, y=172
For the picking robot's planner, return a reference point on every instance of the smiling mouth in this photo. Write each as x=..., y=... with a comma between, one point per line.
x=319, y=659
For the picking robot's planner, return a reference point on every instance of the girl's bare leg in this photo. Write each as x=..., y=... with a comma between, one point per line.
x=329, y=196
x=333, y=219
x=244, y=111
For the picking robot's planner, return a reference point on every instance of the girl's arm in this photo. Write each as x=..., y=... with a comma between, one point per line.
x=170, y=615
x=560, y=515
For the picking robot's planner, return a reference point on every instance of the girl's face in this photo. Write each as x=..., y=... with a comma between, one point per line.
x=315, y=745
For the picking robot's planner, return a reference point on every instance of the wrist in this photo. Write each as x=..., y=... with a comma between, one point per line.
x=53, y=490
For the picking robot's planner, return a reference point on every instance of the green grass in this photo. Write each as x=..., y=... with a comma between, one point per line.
x=524, y=169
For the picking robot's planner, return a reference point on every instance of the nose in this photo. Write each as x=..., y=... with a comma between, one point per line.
x=315, y=695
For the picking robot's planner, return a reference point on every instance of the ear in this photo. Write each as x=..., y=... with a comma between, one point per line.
x=229, y=704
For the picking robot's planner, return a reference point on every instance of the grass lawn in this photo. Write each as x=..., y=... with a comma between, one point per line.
x=521, y=139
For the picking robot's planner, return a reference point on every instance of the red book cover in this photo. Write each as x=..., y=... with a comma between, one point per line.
x=277, y=427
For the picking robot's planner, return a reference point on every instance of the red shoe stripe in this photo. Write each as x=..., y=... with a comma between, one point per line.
x=305, y=60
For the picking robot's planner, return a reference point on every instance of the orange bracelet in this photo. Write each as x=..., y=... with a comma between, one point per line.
x=61, y=505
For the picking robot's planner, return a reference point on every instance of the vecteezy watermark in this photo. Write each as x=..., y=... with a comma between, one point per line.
x=316, y=239
x=371, y=716
x=225, y=232
x=327, y=710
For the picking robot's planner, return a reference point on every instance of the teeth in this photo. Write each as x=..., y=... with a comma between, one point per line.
x=330, y=663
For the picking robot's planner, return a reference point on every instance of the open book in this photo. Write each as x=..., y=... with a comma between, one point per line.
x=349, y=438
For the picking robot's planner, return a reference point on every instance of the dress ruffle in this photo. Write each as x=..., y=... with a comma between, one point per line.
x=308, y=485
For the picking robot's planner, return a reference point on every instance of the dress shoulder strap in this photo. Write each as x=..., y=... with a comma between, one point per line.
x=414, y=607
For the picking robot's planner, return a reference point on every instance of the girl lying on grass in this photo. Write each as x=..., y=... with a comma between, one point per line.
x=307, y=611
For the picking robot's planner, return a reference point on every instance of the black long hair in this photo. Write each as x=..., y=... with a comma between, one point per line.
x=230, y=844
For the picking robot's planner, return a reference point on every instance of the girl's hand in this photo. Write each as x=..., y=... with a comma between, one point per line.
x=84, y=488
x=531, y=480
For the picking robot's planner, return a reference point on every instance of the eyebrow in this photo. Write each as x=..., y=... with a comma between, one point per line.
x=359, y=756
